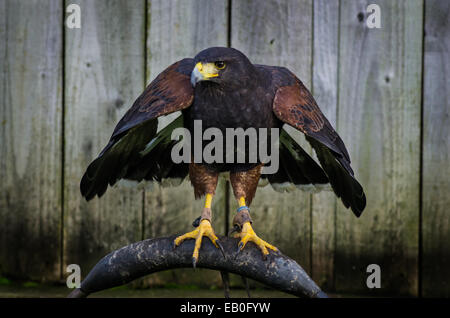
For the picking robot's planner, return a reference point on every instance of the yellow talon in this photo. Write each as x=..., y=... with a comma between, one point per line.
x=204, y=229
x=248, y=235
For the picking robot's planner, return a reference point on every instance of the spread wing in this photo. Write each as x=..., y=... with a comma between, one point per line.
x=135, y=150
x=170, y=91
x=293, y=104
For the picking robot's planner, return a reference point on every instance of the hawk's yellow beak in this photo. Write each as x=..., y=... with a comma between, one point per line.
x=202, y=72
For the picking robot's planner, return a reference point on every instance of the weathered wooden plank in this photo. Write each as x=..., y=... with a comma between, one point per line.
x=325, y=72
x=175, y=30
x=278, y=33
x=30, y=139
x=104, y=73
x=436, y=152
x=379, y=119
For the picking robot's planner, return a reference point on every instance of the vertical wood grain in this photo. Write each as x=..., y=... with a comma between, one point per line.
x=368, y=85
x=325, y=73
x=278, y=33
x=436, y=152
x=104, y=74
x=30, y=138
x=175, y=30
x=379, y=120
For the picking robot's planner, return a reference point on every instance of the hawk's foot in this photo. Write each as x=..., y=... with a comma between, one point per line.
x=247, y=234
x=204, y=229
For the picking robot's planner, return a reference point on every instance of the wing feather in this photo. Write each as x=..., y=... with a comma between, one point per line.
x=127, y=154
x=169, y=92
x=293, y=104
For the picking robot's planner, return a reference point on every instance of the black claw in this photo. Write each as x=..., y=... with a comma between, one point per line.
x=196, y=222
x=194, y=262
x=235, y=228
x=239, y=249
x=221, y=248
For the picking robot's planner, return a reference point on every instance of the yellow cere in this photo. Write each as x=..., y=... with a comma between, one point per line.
x=207, y=69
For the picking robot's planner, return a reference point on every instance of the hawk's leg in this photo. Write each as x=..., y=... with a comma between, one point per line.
x=243, y=225
x=203, y=229
x=204, y=182
x=244, y=185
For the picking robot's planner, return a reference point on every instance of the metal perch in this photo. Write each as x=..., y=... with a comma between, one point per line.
x=152, y=255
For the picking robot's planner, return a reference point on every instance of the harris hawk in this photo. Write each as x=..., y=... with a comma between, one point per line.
x=223, y=89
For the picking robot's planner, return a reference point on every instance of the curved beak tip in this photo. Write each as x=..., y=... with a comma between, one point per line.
x=196, y=76
x=203, y=72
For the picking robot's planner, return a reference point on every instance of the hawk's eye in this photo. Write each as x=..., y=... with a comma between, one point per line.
x=220, y=64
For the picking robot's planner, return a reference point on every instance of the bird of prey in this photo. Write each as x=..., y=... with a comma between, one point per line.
x=223, y=89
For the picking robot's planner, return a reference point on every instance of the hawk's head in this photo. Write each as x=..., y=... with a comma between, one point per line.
x=223, y=66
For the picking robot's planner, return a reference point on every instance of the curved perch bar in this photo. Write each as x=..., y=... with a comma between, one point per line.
x=152, y=255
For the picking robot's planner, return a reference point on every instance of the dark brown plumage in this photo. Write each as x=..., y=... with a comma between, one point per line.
x=203, y=179
x=241, y=95
x=244, y=183
x=221, y=88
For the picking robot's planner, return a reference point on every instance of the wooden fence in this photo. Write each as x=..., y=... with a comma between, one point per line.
x=387, y=91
